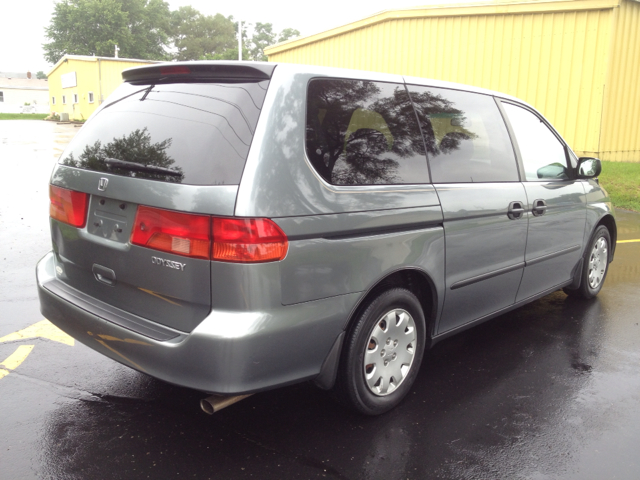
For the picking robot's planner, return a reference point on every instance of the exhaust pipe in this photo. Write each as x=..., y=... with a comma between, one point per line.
x=215, y=403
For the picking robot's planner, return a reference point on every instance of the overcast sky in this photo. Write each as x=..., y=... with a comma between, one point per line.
x=22, y=22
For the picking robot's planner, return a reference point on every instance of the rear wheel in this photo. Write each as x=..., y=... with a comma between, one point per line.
x=594, y=266
x=382, y=353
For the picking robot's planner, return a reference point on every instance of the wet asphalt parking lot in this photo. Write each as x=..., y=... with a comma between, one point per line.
x=548, y=391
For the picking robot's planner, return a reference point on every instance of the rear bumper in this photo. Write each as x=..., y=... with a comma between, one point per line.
x=229, y=352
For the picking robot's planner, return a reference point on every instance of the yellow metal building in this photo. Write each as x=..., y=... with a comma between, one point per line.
x=78, y=84
x=577, y=61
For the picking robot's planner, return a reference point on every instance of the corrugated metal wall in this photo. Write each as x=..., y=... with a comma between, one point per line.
x=621, y=120
x=555, y=60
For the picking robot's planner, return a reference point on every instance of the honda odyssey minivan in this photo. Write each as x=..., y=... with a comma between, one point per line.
x=236, y=227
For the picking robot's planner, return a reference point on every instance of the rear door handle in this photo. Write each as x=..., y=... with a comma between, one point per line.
x=515, y=211
x=539, y=207
x=104, y=275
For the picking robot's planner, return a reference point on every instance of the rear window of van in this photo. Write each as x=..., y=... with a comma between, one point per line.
x=190, y=133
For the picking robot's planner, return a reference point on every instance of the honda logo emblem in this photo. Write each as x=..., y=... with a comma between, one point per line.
x=102, y=184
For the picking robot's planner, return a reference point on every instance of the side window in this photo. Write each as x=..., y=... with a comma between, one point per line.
x=543, y=155
x=465, y=135
x=360, y=132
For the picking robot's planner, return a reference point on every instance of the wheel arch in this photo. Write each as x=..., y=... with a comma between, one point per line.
x=417, y=282
x=609, y=222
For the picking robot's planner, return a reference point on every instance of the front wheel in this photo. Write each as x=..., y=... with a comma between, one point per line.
x=594, y=266
x=382, y=353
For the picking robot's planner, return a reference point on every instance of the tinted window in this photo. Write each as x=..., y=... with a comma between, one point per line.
x=363, y=133
x=465, y=135
x=543, y=155
x=198, y=133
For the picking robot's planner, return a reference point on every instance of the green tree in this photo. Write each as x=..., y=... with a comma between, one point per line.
x=140, y=29
x=196, y=36
x=288, y=33
x=40, y=75
x=263, y=36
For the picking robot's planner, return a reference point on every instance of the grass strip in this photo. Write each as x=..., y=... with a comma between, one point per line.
x=622, y=181
x=23, y=116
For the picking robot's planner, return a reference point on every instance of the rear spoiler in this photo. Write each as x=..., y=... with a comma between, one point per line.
x=200, y=71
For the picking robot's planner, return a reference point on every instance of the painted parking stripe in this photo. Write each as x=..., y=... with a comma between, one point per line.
x=629, y=241
x=14, y=360
x=42, y=329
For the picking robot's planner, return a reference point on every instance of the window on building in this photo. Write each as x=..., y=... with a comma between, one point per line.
x=53, y=100
x=466, y=138
x=64, y=99
x=1, y=96
x=75, y=98
x=361, y=132
x=90, y=97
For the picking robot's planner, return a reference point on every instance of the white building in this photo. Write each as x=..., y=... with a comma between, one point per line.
x=15, y=92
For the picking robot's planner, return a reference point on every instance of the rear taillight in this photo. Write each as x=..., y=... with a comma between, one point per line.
x=68, y=206
x=242, y=240
x=174, y=232
x=248, y=240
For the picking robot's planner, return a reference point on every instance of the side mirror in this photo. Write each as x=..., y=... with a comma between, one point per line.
x=554, y=170
x=589, y=167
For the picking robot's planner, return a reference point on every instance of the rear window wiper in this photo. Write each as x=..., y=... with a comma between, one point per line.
x=114, y=162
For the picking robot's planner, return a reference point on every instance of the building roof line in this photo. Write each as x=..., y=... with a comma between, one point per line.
x=91, y=58
x=11, y=87
x=448, y=10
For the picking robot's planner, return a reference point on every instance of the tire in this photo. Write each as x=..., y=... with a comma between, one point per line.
x=595, y=265
x=382, y=353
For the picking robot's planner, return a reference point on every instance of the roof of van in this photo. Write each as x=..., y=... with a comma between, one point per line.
x=265, y=70
x=239, y=70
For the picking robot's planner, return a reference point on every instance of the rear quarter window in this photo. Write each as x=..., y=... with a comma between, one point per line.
x=360, y=132
x=194, y=133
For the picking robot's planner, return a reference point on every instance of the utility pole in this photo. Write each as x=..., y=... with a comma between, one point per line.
x=239, y=40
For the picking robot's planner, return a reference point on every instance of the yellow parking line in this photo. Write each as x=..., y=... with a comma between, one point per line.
x=14, y=360
x=42, y=329
x=629, y=241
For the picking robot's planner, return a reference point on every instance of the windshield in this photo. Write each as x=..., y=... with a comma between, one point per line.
x=194, y=133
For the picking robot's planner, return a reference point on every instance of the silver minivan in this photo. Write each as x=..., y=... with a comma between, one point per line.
x=235, y=227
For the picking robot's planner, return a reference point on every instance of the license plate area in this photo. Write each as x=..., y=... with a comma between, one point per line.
x=110, y=219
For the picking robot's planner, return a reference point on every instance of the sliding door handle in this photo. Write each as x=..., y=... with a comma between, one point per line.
x=515, y=211
x=539, y=207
